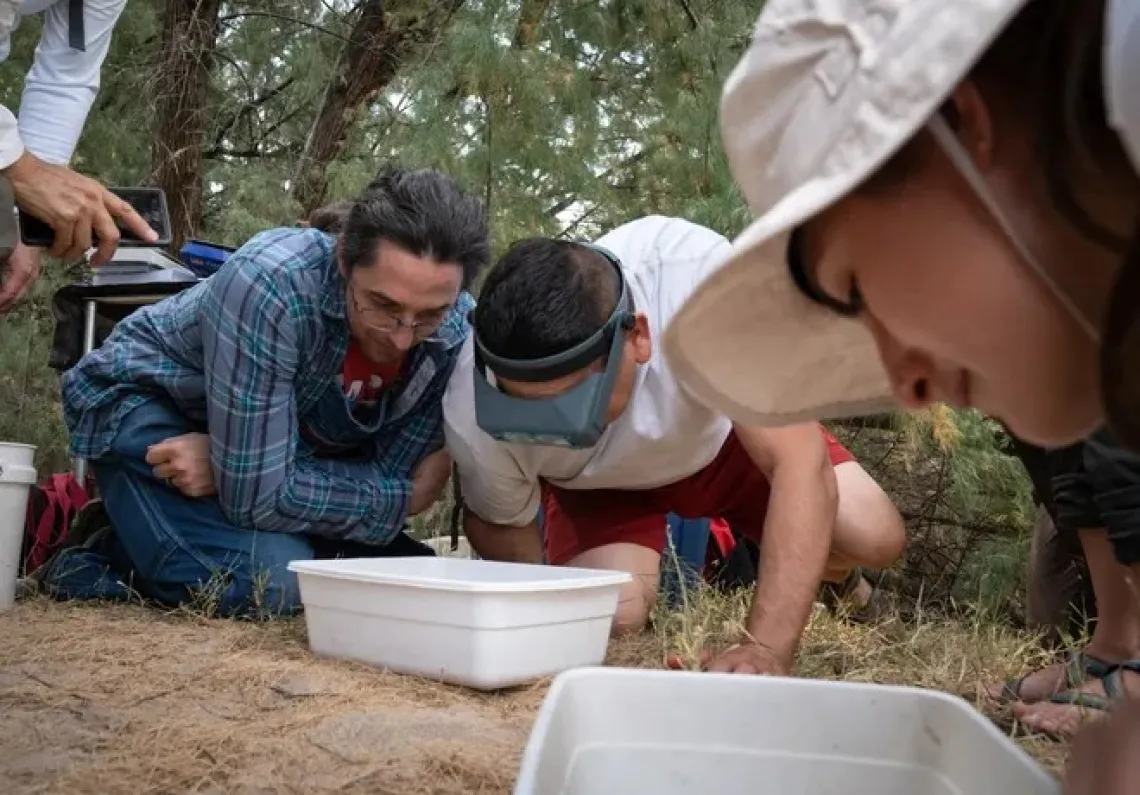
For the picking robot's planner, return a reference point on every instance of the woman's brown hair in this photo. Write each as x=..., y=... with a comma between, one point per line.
x=330, y=218
x=1047, y=69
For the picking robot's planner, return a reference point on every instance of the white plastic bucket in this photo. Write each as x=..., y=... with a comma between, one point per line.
x=17, y=474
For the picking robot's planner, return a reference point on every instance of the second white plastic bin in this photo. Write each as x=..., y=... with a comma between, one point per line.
x=608, y=731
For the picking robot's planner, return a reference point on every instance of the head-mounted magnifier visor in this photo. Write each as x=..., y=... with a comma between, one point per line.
x=577, y=417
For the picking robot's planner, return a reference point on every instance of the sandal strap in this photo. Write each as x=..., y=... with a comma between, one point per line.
x=1081, y=666
x=1113, y=680
x=1011, y=688
x=1078, y=698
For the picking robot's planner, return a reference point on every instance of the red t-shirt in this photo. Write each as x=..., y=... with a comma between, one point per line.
x=363, y=381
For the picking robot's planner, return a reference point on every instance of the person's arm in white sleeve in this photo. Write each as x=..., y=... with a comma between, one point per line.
x=500, y=502
x=35, y=148
x=498, y=541
x=63, y=82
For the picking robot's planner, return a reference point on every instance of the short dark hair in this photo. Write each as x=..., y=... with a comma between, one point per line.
x=544, y=297
x=423, y=212
x=330, y=218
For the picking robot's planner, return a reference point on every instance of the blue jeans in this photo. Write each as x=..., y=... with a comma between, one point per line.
x=176, y=549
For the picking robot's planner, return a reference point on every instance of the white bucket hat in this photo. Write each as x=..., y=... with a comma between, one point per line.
x=827, y=92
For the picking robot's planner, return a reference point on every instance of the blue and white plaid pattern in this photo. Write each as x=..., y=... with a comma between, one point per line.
x=253, y=354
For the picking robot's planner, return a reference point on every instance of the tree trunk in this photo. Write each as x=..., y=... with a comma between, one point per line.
x=530, y=18
x=182, y=81
x=373, y=56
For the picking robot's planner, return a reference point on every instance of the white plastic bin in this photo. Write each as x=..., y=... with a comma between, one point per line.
x=477, y=623
x=17, y=474
x=610, y=731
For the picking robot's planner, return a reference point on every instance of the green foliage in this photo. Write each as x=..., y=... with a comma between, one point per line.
x=988, y=488
x=29, y=392
x=610, y=115
x=983, y=482
x=966, y=501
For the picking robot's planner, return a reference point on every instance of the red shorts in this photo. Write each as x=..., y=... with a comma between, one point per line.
x=730, y=488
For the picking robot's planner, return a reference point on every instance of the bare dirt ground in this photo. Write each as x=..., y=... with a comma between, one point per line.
x=125, y=699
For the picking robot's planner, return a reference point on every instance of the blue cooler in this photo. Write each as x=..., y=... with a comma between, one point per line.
x=689, y=539
x=204, y=258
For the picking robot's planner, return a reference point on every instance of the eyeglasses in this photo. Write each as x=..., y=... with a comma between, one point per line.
x=384, y=321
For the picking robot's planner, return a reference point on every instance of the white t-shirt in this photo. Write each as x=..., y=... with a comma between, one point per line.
x=663, y=436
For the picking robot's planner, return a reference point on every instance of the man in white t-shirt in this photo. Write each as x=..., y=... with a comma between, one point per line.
x=821, y=516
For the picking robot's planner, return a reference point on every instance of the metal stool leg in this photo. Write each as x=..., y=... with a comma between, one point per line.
x=88, y=346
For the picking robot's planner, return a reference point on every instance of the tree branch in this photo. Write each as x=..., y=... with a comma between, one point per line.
x=256, y=152
x=877, y=422
x=290, y=19
x=980, y=528
x=245, y=108
x=688, y=9
x=632, y=160
x=569, y=231
x=381, y=44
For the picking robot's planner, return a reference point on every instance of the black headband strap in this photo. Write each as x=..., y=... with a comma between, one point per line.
x=557, y=365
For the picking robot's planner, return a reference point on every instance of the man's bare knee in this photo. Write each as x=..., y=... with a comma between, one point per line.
x=886, y=542
x=869, y=530
x=632, y=611
x=637, y=596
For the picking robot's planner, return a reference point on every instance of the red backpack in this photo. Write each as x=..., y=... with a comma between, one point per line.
x=52, y=506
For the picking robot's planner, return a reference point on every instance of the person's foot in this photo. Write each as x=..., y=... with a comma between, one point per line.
x=89, y=527
x=1063, y=714
x=1044, y=683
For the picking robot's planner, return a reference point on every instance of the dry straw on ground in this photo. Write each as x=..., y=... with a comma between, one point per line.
x=124, y=699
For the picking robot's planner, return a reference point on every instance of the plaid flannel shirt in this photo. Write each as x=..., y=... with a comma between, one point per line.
x=253, y=355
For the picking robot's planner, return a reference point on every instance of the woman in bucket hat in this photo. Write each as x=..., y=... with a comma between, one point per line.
x=953, y=183
x=946, y=198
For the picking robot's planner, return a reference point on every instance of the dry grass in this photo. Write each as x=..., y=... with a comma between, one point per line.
x=123, y=699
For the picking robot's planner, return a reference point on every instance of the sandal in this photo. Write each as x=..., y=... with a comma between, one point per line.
x=1086, y=703
x=836, y=598
x=1079, y=668
x=1113, y=681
